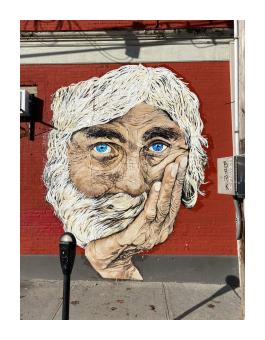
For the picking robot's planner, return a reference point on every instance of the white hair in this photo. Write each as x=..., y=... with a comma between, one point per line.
x=100, y=100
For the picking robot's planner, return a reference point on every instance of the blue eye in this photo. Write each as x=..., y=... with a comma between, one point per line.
x=158, y=147
x=102, y=148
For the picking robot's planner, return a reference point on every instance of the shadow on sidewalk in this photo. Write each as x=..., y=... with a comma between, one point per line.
x=232, y=282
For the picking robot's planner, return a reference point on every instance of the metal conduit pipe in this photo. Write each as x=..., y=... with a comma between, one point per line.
x=239, y=221
x=237, y=202
x=236, y=89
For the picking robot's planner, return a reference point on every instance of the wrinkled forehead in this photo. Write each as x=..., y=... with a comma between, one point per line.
x=142, y=118
x=136, y=123
x=143, y=113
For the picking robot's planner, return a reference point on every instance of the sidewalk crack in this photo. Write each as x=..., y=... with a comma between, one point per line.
x=167, y=309
x=60, y=305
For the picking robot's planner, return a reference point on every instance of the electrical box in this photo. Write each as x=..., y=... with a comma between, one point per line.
x=231, y=175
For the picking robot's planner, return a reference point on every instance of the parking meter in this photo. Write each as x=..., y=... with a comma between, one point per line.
x=67, y=257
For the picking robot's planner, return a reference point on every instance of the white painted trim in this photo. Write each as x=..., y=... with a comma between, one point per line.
x=120, y=47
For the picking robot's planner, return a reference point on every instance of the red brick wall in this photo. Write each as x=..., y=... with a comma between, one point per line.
x=208, y=228
x=79, y=25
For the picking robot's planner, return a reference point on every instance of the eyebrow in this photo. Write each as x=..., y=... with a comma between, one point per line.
x=99, y=132
x=167, y=133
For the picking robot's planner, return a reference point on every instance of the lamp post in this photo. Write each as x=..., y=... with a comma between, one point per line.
x=67, y=247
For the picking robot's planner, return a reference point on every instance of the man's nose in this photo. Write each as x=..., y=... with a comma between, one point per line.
x=132, y=182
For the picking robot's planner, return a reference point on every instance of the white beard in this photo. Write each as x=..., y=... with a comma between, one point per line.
x=94, y=218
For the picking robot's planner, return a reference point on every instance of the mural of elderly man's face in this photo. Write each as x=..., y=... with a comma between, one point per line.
x=118, y=165
x=127, y=154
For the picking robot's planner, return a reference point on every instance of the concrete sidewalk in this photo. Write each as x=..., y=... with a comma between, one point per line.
x=122, y=300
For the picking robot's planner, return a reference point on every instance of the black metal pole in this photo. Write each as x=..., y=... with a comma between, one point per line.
x=32, y=118
x=66, y=297
x=67, y=257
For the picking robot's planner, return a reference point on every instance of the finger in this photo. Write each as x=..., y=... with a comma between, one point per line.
x=165, y=231
x=177, y=190
x=163, y=203
x=175, y=155
x=175, y=198
x=151, y=202
x=163, y=236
